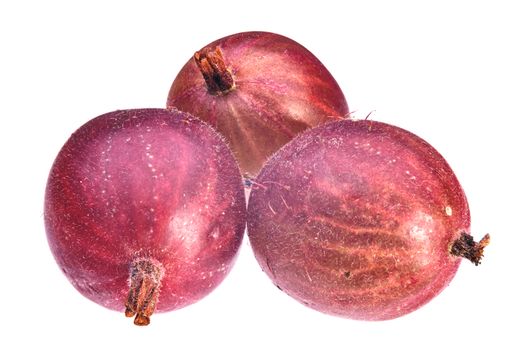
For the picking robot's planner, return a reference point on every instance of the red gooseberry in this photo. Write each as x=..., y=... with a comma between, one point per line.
x=145, y=210
x=360, y=219
x=259, y=90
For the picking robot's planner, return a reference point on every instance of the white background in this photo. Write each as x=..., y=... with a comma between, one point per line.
x=449, y=71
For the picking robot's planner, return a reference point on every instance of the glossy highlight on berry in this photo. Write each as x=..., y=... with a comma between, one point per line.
x=145, y=210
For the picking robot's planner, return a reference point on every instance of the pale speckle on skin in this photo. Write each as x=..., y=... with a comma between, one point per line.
x=412, y=177
x=448, y=210
x=222, y=269
x=336, y=141
x=364, y=146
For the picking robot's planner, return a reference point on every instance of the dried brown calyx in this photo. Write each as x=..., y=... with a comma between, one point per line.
x=218, y=77
x=467, y=248
x=144, y=287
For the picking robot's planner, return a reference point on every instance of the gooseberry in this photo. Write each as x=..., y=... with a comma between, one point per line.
x=259, y=90
x=360, y=219
x=145, y=210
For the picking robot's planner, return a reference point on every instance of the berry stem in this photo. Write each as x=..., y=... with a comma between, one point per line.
x=217, y=76
x=467, y=248
x=144, y=286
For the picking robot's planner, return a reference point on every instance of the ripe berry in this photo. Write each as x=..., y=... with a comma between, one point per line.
x=259, y=90
x=360, y=219
x=145, y=210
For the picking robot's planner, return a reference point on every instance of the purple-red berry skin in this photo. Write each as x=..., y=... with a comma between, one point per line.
x=358, y=219
x=145, y=185
x=259, y=90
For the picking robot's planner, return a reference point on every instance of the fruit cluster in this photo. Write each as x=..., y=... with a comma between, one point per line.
x=145, y=209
